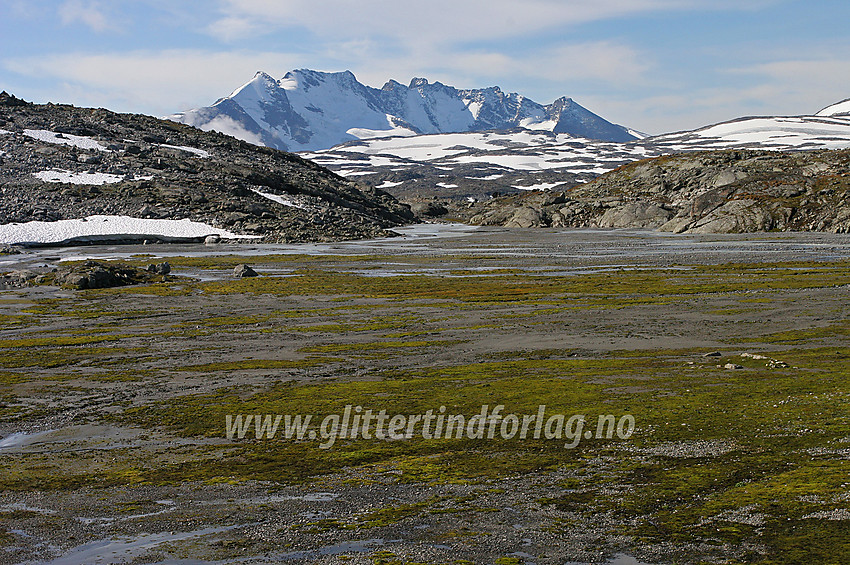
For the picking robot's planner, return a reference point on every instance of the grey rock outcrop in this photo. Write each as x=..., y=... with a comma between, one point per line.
x=93, y=275
x=159, y=268
x=524, y=217
x=705, y=192
x=635, y=215
x=85, y=276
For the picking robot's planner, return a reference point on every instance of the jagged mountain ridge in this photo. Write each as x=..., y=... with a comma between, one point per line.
x=310, y=110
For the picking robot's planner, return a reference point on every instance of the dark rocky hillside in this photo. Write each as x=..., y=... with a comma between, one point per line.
x=161, y=169
x=732, y=191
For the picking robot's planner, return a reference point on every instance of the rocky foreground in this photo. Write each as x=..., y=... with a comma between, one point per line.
x=735, y=191
x=61, y=162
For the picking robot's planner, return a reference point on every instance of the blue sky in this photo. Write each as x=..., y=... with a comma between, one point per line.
x=654, y=65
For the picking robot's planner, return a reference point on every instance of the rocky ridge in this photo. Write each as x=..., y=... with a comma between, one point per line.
x=62, y=162
x=731, y=191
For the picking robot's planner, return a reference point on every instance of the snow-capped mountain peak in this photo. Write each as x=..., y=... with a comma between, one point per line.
x=260, y=89
x=310, y=110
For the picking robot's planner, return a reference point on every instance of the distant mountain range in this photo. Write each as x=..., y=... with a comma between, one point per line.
x=310, y=110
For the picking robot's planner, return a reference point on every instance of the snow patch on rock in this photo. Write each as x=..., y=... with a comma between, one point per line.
x=78, y=141
x=540, y=186
x=279, y=199
x=193, y=150
x=96, y=226
x=69, y=177
x=840, y=108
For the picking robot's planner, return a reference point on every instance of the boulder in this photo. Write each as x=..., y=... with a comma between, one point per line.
x=727, y=177
x=21, y=278
x=678, y=224
x=160, y=268
x=242, y=271
x=9, y=250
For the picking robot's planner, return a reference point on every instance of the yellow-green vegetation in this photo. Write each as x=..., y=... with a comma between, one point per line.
x=230, y=261
x=623, y=287
x=516, y=288
x=7, y=321
x=385, y=557
x=364, y=348
x=510, y=561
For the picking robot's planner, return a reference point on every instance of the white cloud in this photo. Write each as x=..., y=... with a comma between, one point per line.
x=784, y=80
x=233, y=28
x=163, y=82
x=447, y=20
x=807, y=84
x=665, y=113
x=224, y=124
x=159, y=82
x=598, y=61
x=24, y=10
x=553, y=69
x=800, y=93
x=86, y=13
x=383, y=39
